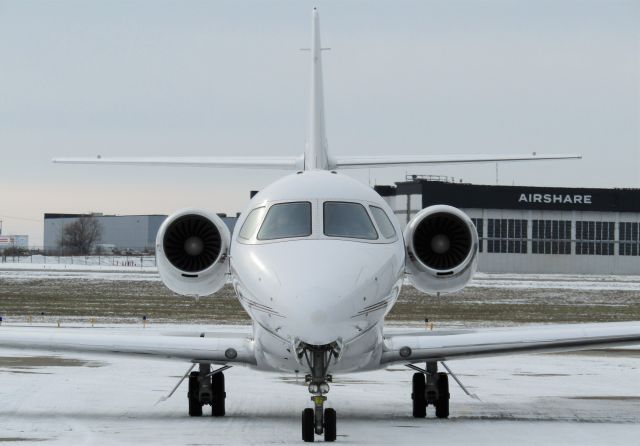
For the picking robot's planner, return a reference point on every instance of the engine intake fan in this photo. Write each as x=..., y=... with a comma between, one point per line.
x=442, y=247
x=442, y=241
x=192, y=243
x=191, y=252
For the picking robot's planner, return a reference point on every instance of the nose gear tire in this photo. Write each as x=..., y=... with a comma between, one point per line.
x=308, y=425
x=329, y=425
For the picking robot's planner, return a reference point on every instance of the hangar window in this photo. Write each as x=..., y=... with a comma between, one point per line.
x=507, y=235
x=251, y=223
x=286, y=220
x=595, y=238
x=551, y=237
x=383, y=222
x=479, y=222
x=351, y=220
x=629, y=239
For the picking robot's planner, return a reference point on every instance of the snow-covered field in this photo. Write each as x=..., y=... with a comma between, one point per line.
x=28, y=271
x=557, y=281
x=92, y=260
x=574, y=399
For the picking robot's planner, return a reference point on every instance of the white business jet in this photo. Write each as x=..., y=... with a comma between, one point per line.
x=317, y=261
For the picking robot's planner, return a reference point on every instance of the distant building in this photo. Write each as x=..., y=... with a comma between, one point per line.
x=14, y=241
x=528, y=229
x=132, y=232
x=119, y=232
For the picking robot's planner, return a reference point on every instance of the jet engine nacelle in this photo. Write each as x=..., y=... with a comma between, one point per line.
x=192, y=248
x=442, y=245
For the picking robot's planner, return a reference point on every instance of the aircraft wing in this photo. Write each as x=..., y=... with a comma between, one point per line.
x=358, y=162
x=251, y=162
x=233, y=348
x=441, y=345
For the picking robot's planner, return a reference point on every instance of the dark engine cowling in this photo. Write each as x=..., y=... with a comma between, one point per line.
x=192, y=249
x=442, y=246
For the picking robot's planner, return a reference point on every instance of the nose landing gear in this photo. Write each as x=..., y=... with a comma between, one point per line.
x=318, y=420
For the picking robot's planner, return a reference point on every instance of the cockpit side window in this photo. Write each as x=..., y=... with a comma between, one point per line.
x=251, y=223
x=351, y=220
x=383, y=222
x=286, y=220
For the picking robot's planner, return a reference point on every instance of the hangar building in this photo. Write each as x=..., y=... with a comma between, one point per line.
x=121, y=232
x=528, y=229
x=134, y=232
x=14, y=241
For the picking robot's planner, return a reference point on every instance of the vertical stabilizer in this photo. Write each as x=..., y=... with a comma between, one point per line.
x=315, y=155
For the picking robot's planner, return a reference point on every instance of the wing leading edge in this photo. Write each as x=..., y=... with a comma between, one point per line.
x=421, y=346
x=228, y=348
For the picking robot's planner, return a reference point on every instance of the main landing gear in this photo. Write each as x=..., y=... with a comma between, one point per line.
x=430, y=387
x=318, y=421
x=206, y=387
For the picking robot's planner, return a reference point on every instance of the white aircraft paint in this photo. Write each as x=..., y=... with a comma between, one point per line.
x=317, y=290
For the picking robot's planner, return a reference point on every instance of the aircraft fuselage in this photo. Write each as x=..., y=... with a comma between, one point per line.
x=318, y=287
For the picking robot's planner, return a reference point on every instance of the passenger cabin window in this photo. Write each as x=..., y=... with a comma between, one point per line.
x=351, y=220
x=286, y=220
x=251, y=223
x=383, y=222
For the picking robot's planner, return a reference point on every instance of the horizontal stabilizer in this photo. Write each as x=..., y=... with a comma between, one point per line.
x=358, y=162
x=249, y=162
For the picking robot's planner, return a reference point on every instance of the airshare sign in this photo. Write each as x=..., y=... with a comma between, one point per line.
x=474, y=196
x=555, y=198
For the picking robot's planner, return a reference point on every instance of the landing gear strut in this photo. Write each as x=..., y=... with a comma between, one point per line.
x=207, y=387
x=318, y=421
x=430, y=387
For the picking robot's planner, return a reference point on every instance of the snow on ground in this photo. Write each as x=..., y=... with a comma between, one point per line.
x=29, y=271
x=92, y=260
x=570, y=399
x=557, y=281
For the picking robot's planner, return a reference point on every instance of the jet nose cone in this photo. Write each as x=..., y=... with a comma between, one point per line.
x=318, y=317
x=317, y=288
x=316, y=314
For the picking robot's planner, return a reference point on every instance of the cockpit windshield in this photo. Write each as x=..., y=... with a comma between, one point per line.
x=384, y=224
x=286, y=220
x=251, y=223
x=351, y=220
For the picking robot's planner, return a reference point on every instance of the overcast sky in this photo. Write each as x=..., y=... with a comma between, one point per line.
x=227, y=78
